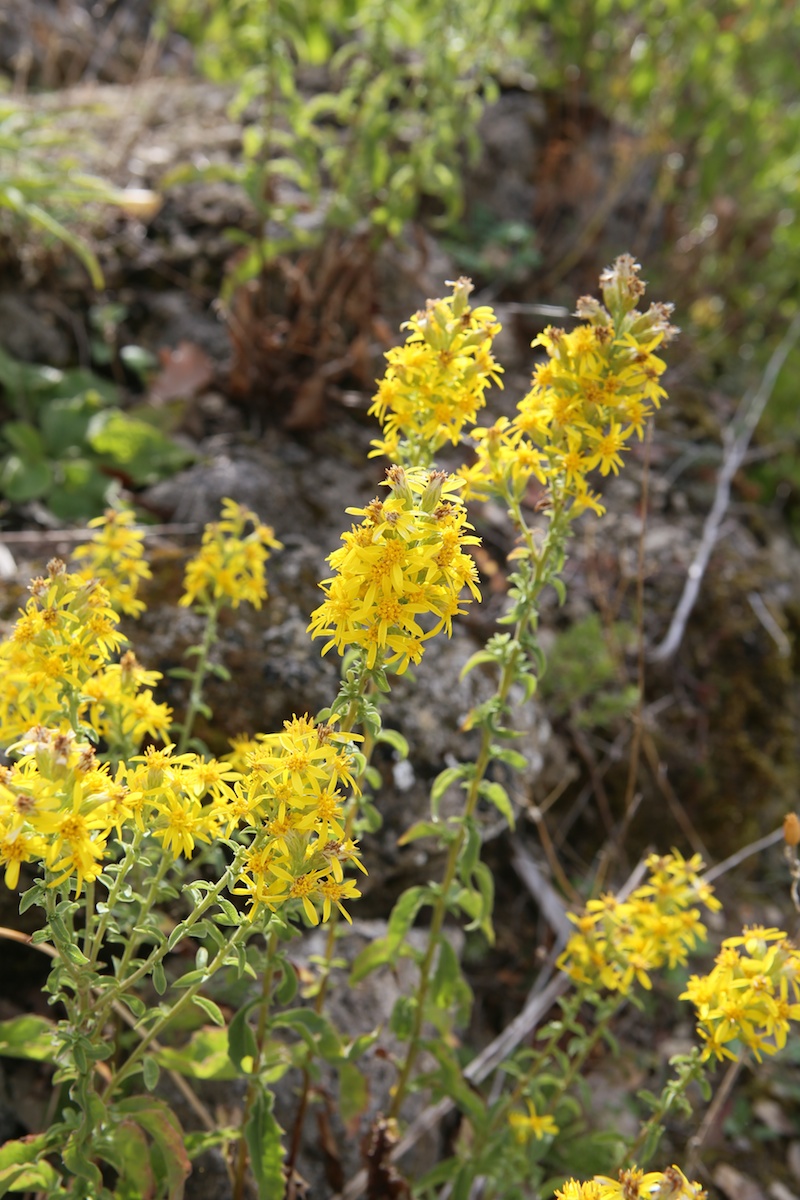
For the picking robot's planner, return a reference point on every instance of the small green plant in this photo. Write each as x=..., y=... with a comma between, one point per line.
x=133, y=847
x=42, y=186
x=404, y=87
x=70, y=440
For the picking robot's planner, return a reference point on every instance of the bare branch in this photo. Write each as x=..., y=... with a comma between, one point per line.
x=750, y=411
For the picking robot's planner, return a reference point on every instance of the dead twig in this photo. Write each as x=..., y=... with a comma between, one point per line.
x=750, y=411
x=770, y=839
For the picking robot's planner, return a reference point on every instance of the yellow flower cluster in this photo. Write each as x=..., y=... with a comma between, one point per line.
x=292, y=794
x=65, y=634
x=403, y=562
x=57, y=805
x=751, y=995
x=60, y=807
x=435, y=383
x=115, y=556
x=122, y=709
x=619, y=942
x=230, y=566
x=57, y=668
x=597, y=387
x=634, y=1184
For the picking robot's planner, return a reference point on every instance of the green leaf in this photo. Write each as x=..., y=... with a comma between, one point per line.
x=160, y=1122
x=512, y=758
x=25, y=439
x=64, y=423
x=404, y=914
x=449, y=988
x=21, y=481
x=263, y=1136
x=420, y=829
x=29, y=1037
x=139, y=448
x=315, y=1029
x=80, y=491
x=353, y=1092
x=129, y=1155
x=286, y=990
x=394, y=739
x=444, y=780
x=212, y=1010
x=159, y=978
x=150, y=1071
x=401, y=1022
x=23, y=1167
x=482, y=656
x=375, y=954
x=241, y=1038
x=191, y=977
x=497, y=795
x=205, y=1056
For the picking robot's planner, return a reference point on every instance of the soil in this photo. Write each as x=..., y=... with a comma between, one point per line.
x=272, y=399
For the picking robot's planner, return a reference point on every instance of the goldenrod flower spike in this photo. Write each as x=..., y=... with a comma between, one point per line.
x=230, y=567
x=405, y=563
x=596, y=389
x=435, y=384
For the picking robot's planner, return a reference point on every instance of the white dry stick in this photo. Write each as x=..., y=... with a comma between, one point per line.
x=749, y=415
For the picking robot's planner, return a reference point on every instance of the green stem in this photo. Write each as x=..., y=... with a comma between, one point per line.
x=132, y=1062
x=253, y=1085
x=179, y=932
x=81, y=1020
x=199, y=675
x=442, y=901
x=88, y=918
x=129, y=857
x=540, y=556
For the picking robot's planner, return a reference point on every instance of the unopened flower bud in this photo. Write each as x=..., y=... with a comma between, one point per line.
x=791, y=829
x=621, y=285
x=398, y=482
x=461, y=292
x=433, y=491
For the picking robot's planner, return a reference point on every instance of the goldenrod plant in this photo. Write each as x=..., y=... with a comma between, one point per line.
x=134, y=844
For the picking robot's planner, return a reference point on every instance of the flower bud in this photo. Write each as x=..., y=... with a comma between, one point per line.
x=791, y=829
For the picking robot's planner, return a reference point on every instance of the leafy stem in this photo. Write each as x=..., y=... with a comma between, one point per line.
x=198, y=675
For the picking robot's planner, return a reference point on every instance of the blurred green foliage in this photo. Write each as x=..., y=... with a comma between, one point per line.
x=354, y=112
x=41, y=184
x=585, y=677
x=363, y=110
x=68, y=441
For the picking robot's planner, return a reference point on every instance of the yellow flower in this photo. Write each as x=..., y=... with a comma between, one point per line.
x=598, y=386
x=532, y=1126
x=745, y=998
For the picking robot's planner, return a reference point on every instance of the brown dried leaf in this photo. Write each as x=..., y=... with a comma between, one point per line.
x=185, y=371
